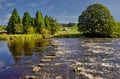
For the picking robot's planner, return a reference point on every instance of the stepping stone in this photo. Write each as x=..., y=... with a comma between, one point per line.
x=42, y=65
x=45, y=60
x=49, y=57
x=36, y=69
x=51, y=54
x=30, y=77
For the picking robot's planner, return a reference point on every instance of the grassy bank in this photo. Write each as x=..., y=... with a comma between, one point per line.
x=68, y=32
x=20, y=36
x=64, y=32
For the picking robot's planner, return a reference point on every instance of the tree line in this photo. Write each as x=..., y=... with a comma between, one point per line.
x=30, y=25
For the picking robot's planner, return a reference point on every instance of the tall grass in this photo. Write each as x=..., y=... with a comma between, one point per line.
x=19, y=36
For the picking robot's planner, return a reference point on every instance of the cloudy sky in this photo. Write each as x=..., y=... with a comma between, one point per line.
x=64, y=11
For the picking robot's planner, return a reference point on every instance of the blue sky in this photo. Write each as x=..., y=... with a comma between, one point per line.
x=64, y=11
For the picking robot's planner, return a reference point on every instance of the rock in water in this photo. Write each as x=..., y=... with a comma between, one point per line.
x=36, y=69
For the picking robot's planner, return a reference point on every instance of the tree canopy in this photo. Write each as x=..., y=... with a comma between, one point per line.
x=26, y=21
x=96, y=21
x=13, y=22
x=39, y=22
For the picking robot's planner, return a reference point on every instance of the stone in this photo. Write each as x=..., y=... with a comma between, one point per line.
x=41, y=65
x=30, y=77
x=49, y=57
x=45, y=60
x=36, y=69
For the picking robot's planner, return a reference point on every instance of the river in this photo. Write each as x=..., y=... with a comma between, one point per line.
x=76, y=58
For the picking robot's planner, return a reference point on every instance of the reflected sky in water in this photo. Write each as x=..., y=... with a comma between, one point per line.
x=6, y=57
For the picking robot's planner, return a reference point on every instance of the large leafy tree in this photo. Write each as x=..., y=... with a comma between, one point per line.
x=26, y=21
x=13, y=22
x=39, y=22
x=96, y=21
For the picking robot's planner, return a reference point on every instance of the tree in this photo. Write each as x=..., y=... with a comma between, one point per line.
x=47, y=23
x=26, y=21
x=53, y=25
x=71, y=24
x=19, y=28
x=39, y=22
x=32, y=22
x=13, y=21
x=96, y=21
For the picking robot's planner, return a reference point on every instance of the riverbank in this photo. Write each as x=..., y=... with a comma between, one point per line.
x=20, y=36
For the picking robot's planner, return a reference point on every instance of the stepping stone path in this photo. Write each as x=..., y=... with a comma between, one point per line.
x=45, y=61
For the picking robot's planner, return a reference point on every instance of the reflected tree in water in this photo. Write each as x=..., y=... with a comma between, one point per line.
x=26, y=48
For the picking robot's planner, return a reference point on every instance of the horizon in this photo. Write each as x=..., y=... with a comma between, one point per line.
x=63, y=11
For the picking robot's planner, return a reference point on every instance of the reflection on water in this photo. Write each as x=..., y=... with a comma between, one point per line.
x=21, y=51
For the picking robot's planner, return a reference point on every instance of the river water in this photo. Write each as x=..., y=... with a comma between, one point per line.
x=76, y=58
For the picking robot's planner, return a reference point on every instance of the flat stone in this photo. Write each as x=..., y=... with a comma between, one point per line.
x=49, y=57
x=45, y=60
x=36, y=69
x=30, y=77
x=42, y=65
x=51, y=54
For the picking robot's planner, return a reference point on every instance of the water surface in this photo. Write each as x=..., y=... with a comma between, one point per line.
x=97, y=58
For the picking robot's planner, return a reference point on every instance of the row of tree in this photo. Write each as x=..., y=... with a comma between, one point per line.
x=29, y=25
x=97, y=21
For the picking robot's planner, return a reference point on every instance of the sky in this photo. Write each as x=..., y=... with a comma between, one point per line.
x=64, y=11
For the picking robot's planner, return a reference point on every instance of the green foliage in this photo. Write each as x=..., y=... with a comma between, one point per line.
x=45, y=33
x=71, y=24
x=30, y=30
x=116, y=30
x=96, y=21
x=19, y=28
x=2, y=29
x=54, y=25
x=13, y=22
x=39, y=22
x=47, y=23
x=26, y=21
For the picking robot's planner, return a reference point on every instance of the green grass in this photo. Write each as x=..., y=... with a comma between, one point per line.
x=68, y=32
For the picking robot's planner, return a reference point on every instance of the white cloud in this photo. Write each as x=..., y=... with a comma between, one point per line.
x=71, y=16
x=65, y=17
x=64, y=13
x=51, y=7
x=33, y=4
x=6, y=17
x=10, y=4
